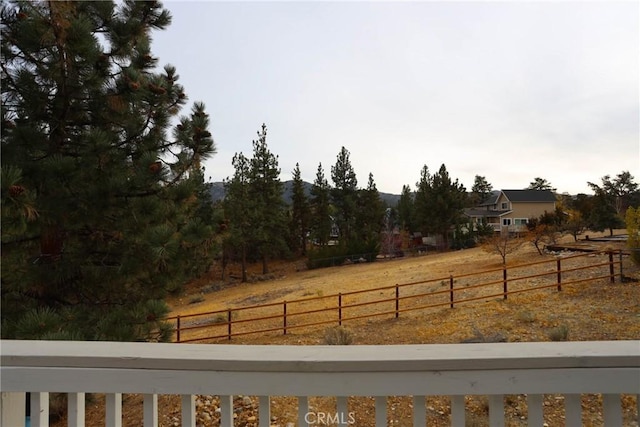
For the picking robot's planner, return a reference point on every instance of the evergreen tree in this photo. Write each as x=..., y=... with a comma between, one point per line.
x=421, y=201
x=321, y=221
x=405, y=209
x=621, y=192
x=370, y=213
x=99, y=204
x=603, y=215
x=480, y=191
x=439, y=202
x=540, y=184
x=265, y=189
x=344, y=195
x=300, y=214
x=238, y=208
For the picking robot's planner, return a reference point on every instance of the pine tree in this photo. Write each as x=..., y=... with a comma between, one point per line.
x=300, y=214
x=265, y=190
x=99, y=202
x=621, y=192
x=405, y=209
x=421, y=201
x=321, y=221
x=439, y=202
x=540, y=184
x=480, y=191
x=344, y=195
x=238, y=208
x=370, y=212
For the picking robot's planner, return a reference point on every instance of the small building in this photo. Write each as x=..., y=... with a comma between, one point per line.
x=510, y=210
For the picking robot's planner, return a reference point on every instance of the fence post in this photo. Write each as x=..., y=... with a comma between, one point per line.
x=620, y=258
x=504, y=281
x=340, y=309
x=559, y=270
x=451, y=290
x=284, y=317
x=397, y=301
x=613, y=278
x=229, y=316
x=178, y=328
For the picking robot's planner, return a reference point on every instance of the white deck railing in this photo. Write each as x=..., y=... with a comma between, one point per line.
x=609, y=368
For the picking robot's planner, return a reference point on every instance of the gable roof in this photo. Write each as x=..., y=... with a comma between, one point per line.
x=534, y=196
x=492, y=199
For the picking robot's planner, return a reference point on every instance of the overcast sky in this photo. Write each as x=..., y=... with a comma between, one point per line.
x=507, y=90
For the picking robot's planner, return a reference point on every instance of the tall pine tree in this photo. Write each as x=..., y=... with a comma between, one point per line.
x=439, y=203
x=99, y=195
x=405, y=209
x=344, y=195
x=321, y=221
x=265, y=190
x=238, y=208
x=300, y=214
x=370, y=213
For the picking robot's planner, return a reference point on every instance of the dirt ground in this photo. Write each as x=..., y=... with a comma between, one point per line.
x=594, y=310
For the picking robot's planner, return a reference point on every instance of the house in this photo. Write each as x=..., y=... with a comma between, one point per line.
x=510, y=210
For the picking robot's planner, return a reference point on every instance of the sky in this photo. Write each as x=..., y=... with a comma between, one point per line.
x=508, y=90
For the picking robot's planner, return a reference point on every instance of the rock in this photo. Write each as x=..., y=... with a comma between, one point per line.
x=247, y=402
x=251, y=419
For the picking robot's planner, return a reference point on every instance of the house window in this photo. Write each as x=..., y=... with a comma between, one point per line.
x=505, y=205
x=506, y=221
x=521, y=221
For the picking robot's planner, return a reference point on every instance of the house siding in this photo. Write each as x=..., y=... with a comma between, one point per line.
x=529, y=209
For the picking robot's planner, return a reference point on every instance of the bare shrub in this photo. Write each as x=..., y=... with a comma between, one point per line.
x=338, y=335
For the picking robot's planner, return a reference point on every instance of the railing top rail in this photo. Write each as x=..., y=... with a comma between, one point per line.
x=358, y=358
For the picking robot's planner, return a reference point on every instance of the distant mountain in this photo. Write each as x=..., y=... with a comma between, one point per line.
x=217, y=193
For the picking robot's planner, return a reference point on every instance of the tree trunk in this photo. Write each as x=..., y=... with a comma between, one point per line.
x=243, y=264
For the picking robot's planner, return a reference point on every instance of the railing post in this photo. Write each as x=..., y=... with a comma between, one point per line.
x=188, y=409
x=340, y=309
x=75, y=409
x=39, y=409
x=178, y=328
x=559, y=270
x=113, y=409
x=284, y=317
x=12, y=406
x=229, y=316
x=451, y=290
x=397, y=301
x=504, y=281
x=611, y=270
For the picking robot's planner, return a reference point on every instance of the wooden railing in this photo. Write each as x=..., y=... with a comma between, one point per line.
x=610, y=368
x=393, y=300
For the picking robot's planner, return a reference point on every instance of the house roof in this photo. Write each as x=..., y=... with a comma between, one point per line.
x=492, y=199
x=523, y=196
x=529, y=195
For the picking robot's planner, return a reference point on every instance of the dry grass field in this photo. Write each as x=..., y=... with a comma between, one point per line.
x=594, y=310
